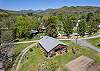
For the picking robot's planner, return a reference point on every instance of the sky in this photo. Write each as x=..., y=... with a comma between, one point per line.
x=44, y=4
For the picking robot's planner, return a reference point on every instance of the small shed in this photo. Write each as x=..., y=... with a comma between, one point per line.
x=52, y=46
x=82, y=63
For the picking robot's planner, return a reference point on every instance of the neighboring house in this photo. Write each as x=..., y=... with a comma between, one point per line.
x=82, y=63
x=52, y=46
x=33, y=32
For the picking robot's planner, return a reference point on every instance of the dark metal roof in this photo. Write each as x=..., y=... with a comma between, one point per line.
x=48, y=43
x=34, y=31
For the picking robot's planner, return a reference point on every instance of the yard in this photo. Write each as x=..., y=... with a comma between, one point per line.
x=19, y=47
x=35, y=59
x=95, y=41
x=27, y=39
x=16, y=51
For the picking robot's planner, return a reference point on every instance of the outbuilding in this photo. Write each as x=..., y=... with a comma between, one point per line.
x=52, y=46
x=32, y=33
x=81, y=63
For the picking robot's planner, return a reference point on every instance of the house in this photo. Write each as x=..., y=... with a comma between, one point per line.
x=52, y=46
x=82, y=63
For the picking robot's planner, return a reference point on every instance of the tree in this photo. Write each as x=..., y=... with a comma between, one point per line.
x=90, y=16
x=51, y=28
x=23, y=26
x=91, y=23
x=67, y=26
x=92, y=27
x=82, y=28
x=36, y=22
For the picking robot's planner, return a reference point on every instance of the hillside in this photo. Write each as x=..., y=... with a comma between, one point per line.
x=74, y=10
x=65, y=9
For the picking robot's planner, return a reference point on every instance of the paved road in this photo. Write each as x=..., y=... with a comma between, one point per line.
x=20, y=57
x=98, y=35
x=83, y=42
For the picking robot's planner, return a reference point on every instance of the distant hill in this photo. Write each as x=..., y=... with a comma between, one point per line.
x=65, y=9
x=74, y=10
x=20, y=12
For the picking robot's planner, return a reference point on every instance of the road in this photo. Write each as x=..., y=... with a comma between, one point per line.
x=20, y=57
x=85, y=43
x=97, y=35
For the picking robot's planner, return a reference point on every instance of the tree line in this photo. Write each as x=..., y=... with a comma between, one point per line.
x=53, y=24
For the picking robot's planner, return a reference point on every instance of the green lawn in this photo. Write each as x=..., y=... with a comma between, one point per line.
x=95, y=41
x=35, y=59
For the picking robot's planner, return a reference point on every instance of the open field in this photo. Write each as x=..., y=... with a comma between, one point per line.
x=95, y=41
x=35, y=59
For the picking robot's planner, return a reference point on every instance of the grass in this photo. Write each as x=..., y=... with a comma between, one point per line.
x=95, y=41
x=27, y=39
x=16, y=51
x=68, y=42
x=19, y=47
x=35, y=59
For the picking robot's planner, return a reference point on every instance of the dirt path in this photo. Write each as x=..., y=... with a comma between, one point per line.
x=20, y=57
